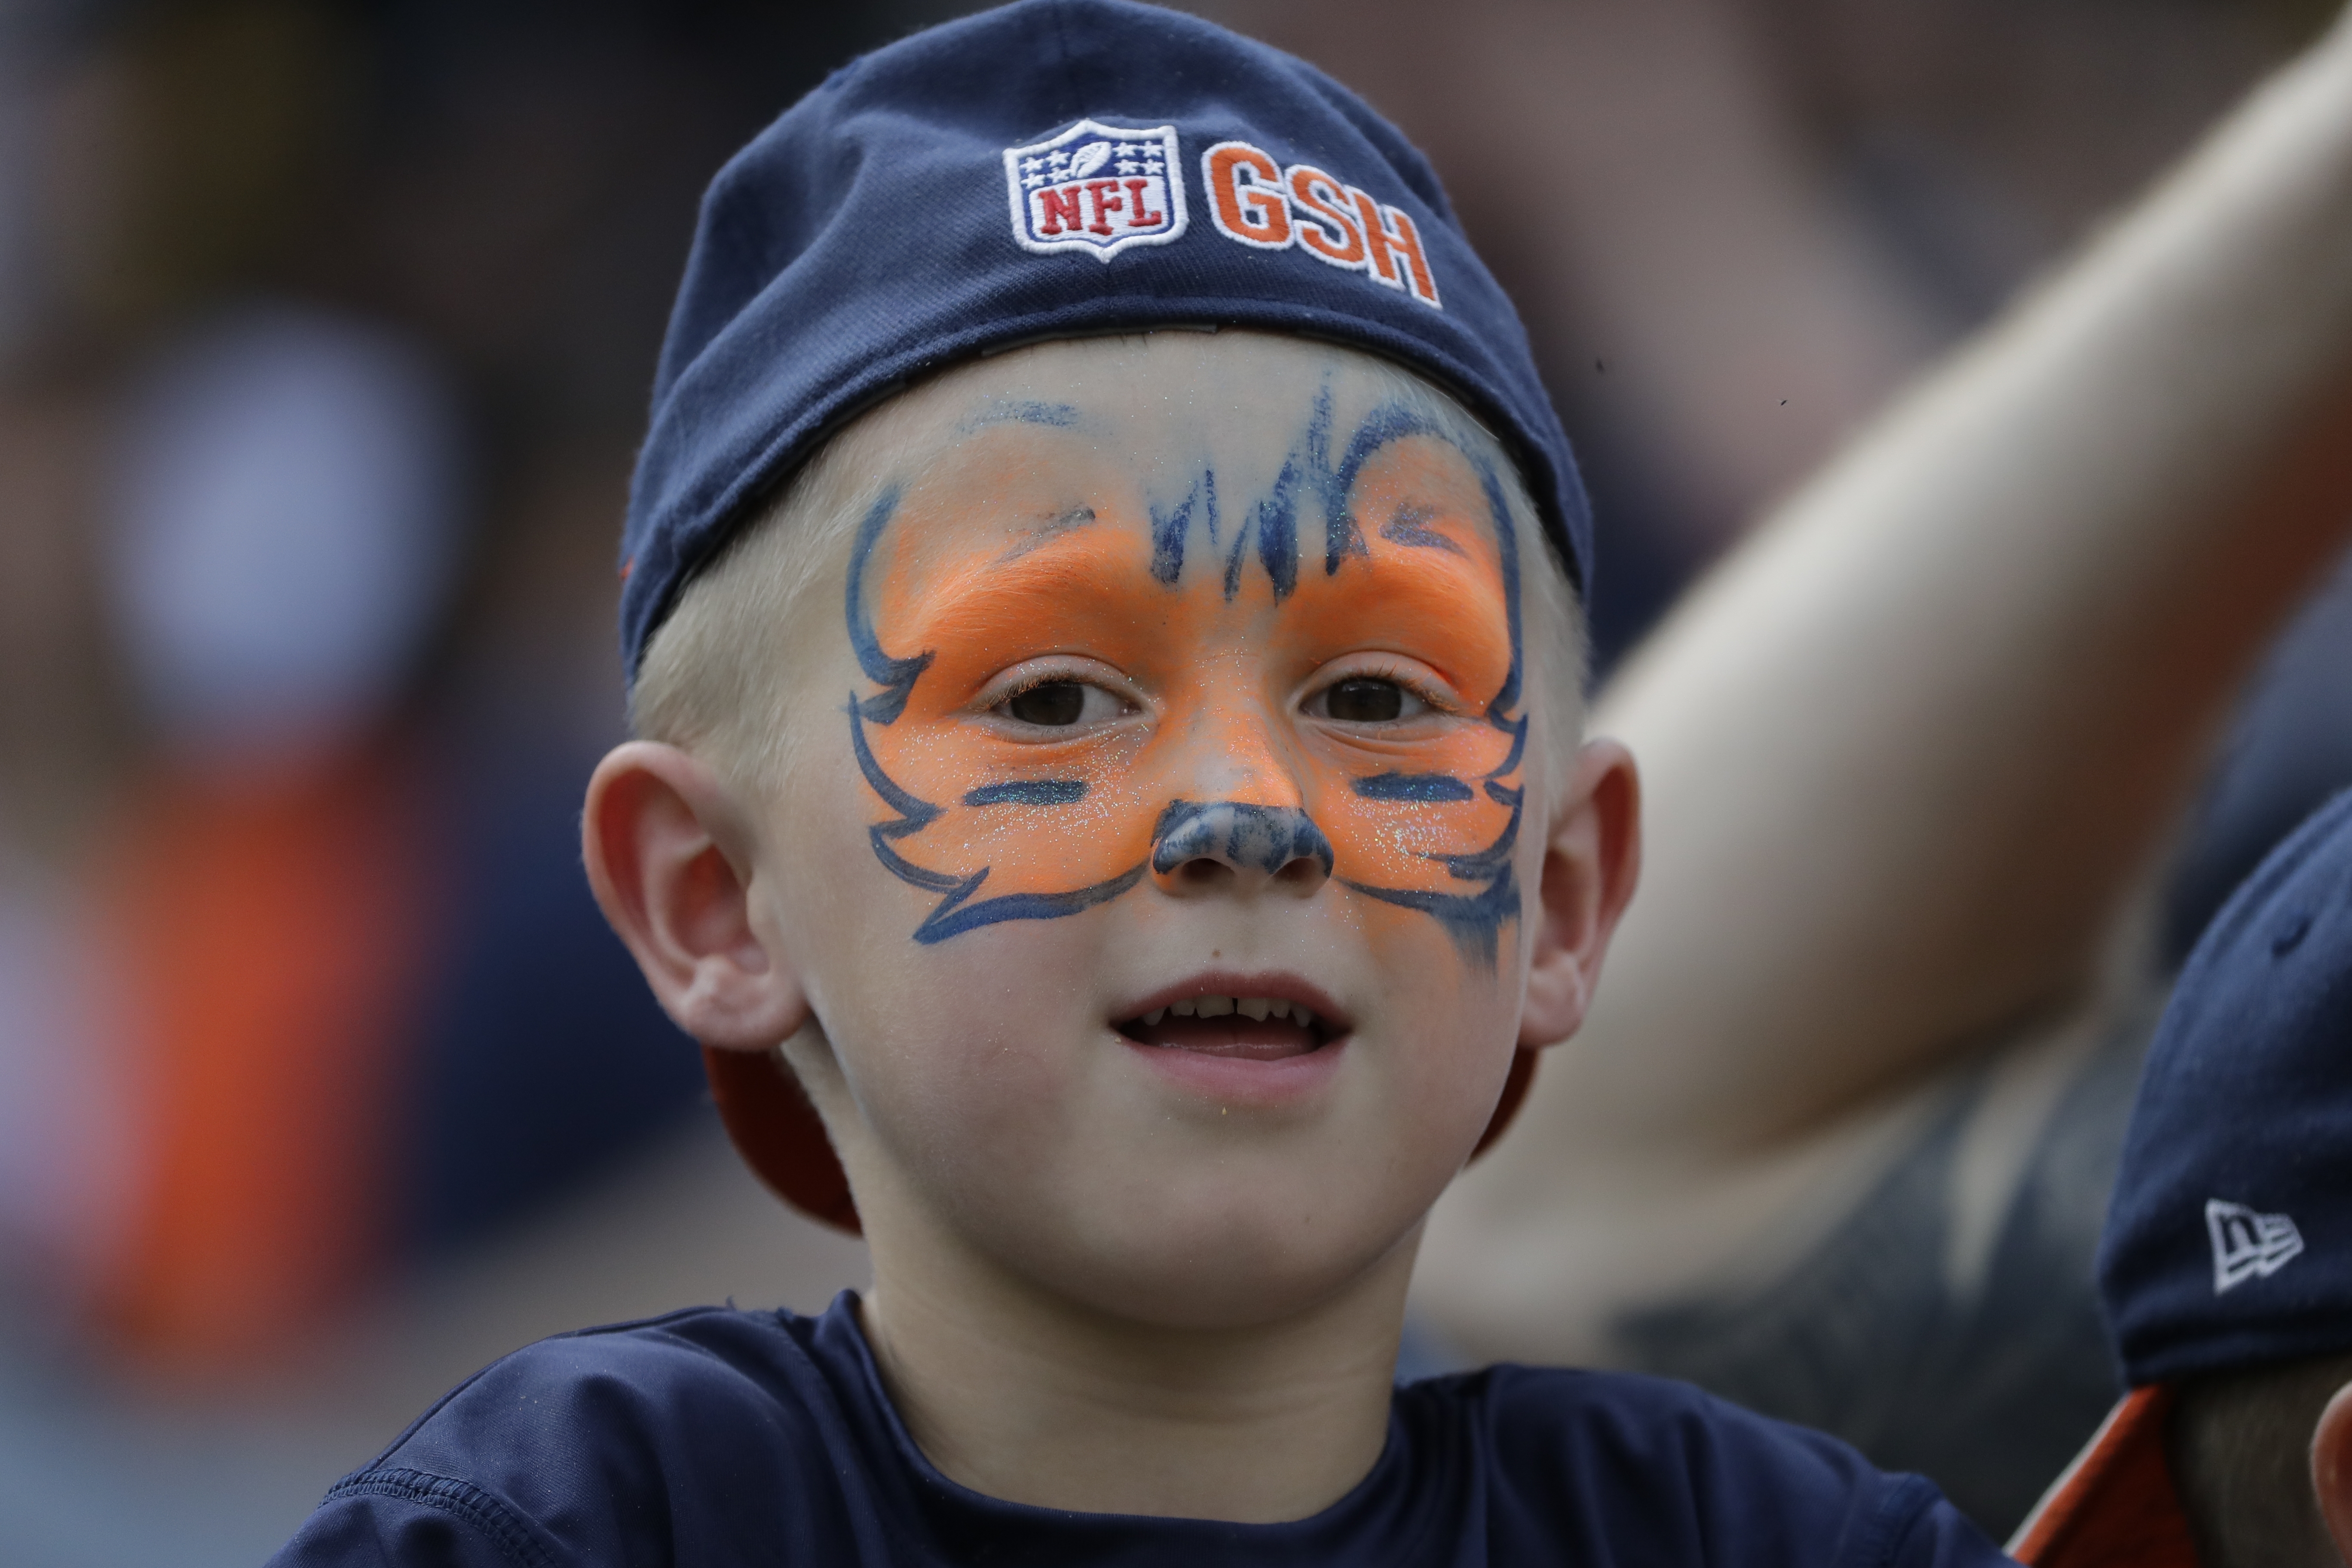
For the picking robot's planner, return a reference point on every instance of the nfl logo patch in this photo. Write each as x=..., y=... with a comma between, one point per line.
x=1097, y=188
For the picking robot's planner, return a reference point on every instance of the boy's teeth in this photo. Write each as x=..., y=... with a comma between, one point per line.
x=1252, y=1008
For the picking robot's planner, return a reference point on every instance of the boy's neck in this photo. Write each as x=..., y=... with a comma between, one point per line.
x=1033, y=1399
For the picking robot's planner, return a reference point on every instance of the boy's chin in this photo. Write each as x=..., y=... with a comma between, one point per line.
x=1220, y=1261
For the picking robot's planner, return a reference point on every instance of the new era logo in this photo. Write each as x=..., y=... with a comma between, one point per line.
x=2246, y=1245
x=1097, y=188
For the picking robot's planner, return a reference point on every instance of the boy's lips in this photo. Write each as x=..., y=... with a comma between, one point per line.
x=1239, y=1017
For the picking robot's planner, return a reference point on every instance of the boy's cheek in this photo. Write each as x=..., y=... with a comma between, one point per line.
x=972, y=1061
x=969, y=1107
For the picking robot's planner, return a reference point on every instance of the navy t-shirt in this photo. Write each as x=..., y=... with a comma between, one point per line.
x=716, y=1437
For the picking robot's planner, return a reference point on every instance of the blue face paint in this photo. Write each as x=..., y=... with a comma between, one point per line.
x=947, y=919
x=1385, y=426
x=1405, y=529
x=1029, y=791
x=1169, y=529
x=897, y=676
x=1475, y=920
x=1423, y=788
x=1307, y=466
x=1053, y=528
x=914, y=813
x=1267, y=838
x=1506, y=542
x=1240, y=832
x=1307, y=470
x=953, y=914
x=1053, y=415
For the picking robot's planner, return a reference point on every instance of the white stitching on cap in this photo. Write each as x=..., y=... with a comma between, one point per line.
x=2247, y=1245
x=1058, y=205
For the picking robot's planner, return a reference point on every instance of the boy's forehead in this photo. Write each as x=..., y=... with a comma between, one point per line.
x=1010, y=451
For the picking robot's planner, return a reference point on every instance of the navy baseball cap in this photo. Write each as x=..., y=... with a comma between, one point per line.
x=1054, y=169
x=2229, y=1239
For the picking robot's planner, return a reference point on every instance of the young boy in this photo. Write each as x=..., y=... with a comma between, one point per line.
x=2226, y=1269
x=1101, y=601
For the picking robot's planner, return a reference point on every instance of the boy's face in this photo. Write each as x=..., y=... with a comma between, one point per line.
x=1169, y=787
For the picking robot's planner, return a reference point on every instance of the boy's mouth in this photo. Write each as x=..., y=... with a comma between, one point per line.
x=1238, y=1025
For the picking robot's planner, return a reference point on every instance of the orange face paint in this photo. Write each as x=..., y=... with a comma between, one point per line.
x=1220, y=650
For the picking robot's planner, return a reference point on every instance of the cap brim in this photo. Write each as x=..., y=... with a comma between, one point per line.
x=2114, y=1506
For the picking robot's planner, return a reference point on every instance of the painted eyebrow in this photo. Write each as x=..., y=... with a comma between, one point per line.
x=1054, y=415
x=1405, y=528
x=1049, y=530
x=1037, y=792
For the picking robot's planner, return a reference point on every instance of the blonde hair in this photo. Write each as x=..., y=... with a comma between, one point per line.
x=709, y=682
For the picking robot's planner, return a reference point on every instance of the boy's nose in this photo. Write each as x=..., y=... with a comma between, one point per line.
x=1235, y=843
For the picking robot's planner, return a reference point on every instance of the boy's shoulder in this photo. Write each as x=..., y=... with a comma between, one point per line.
x=669, y=1439
x=717, y=1436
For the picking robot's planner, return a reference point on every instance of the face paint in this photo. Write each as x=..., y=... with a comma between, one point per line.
x=1435, y=830
x=990, y=595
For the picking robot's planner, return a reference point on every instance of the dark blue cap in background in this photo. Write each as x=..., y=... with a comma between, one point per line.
x=2229, y=1241
x=1056, y=168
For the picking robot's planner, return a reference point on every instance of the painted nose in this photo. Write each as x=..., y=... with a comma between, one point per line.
x=1232, y=840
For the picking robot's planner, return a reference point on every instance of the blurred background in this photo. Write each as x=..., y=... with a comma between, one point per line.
x=325, y=335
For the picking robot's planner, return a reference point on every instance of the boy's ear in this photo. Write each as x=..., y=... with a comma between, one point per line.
x=2331, y=1470
x=669, y=860
x=1589, y=866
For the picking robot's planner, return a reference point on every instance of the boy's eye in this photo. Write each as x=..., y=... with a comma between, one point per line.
x=1053, y=702
x=1367, y=699
x=1058, y=704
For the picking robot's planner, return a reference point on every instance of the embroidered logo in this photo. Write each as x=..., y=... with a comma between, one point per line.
x=1097, y=188
x=1256, y=201
x=2246, y=1245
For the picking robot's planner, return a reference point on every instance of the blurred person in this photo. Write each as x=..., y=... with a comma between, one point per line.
x=1913, y=761
x=2225, y=1270
x=288, y=496
x=371, y=1013
x=151, y=159
x=186, y=163
x=209, y=154
x=287, y=517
